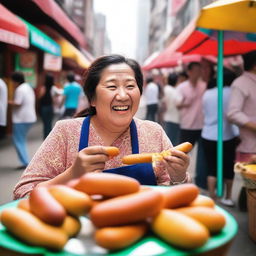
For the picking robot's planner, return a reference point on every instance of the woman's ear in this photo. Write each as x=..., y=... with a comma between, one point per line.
x=92, y=102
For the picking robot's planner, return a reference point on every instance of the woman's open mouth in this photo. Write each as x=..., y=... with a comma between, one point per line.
x=121, y=108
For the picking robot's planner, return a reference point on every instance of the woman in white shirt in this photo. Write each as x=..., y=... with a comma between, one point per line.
x=210, y=137
x=171, y=114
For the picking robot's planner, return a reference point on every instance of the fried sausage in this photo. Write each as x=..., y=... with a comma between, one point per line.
x=202, y=200
x=46, y=207
x=112, y=151
x=127, y=209
x=209, y=217
x=30, y=229
x=116, y=238
x=147, y=157
x=107, y=184
x=75, y=202
x=180, y=195
x=179, y=230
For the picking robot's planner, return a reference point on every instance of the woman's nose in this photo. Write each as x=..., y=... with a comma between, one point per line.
x=122, y=93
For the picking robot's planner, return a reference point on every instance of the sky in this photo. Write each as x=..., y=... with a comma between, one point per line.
x=121, y=19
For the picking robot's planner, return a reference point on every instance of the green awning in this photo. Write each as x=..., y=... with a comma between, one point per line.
x=42, y=41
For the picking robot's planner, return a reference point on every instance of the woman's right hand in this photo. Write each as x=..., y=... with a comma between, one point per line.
x=90, y=159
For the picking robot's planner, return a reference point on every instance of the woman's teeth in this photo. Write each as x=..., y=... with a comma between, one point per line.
x=120, y=108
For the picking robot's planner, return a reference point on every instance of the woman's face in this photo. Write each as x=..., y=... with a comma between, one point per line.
x=117, y=96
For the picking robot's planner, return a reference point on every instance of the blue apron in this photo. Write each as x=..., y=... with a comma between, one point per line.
x=142, y=172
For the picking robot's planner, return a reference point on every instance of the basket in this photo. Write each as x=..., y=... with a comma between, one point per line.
x=251, y=204
x=248, y=174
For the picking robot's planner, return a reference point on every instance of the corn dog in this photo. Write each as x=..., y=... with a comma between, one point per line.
x=147, y=157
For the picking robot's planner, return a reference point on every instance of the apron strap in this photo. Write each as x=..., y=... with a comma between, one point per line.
x=84, y=137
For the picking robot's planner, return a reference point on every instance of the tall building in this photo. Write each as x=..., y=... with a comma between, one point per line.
x=100, y=38
x=142, y=39
x=158, y=23
x=169, y=18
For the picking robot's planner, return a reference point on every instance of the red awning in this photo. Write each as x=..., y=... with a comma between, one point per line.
x=50, y=8
x=12, y=29
x=170, y=57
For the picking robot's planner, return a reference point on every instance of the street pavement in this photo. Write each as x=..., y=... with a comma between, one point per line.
x=9, y=176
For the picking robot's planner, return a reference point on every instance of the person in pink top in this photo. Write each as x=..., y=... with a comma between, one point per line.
x=241, y=111
x=113, y=85
x=191, y=114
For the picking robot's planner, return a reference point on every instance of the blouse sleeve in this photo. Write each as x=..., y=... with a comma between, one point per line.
x=236, y=103
x=52, y=158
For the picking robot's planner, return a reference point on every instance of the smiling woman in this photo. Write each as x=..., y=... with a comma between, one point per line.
x=113, y=85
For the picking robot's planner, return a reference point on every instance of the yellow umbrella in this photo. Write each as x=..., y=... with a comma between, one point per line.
x=236, y=15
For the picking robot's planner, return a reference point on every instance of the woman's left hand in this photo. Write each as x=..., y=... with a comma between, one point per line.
x=176, y=165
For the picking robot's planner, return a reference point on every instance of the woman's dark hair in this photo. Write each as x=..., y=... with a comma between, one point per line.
x=49, y=81
x=193, y=64
x=212, y=83
x=18, y=77
x=249, y=60
x=183, y=74
x=71, y=77
x=172, y=79
x=228, y=77
x=93, y=76
x=149, y=80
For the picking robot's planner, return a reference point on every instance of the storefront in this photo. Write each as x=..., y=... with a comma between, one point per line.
x=44, y=55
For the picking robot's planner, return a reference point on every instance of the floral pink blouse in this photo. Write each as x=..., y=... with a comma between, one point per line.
x=59, y=150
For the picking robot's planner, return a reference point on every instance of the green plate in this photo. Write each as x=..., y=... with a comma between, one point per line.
x=83, y=245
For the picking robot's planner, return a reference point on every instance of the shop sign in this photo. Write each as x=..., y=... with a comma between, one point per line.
x=52, y=62
x=27, y=63
x=42, y=41
x=13, y=38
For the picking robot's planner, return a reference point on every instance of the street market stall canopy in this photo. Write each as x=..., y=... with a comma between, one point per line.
x=170, y=57
x=52, y=9
x=70, y=51
x=12, y=29
x=47, y=12
x=194, y=42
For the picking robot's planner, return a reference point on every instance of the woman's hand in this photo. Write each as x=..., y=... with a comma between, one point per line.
x=90, y=159
x=176, y=165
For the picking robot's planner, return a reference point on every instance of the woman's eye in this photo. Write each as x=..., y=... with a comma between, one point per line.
x=131, y=86
x=111, y=87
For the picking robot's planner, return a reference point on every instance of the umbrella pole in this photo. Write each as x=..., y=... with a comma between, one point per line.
x=220, y=115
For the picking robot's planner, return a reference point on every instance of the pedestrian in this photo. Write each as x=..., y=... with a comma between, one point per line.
x=23, y=116
x=241, y=111
x=71, y=96
x=113, y=85
x=46, y=104
x=152, y=99
x=191, y=116
x=3, y=107
x=181, y=77
x=171, y=113
x=57, y=96
x=210, y=138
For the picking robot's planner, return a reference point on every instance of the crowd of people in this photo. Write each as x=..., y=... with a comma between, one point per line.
x=50, y=103
x=118, y=106
x=190, y=113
